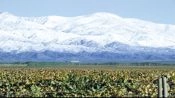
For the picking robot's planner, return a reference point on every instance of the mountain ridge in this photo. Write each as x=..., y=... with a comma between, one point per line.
x=98, y=33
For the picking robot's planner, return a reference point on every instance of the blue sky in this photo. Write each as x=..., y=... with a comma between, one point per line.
x=160, y=11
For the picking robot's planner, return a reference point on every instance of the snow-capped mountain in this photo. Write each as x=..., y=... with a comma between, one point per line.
x=95, y=37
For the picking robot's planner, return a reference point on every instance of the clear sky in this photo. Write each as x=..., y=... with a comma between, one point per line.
x=160, y=11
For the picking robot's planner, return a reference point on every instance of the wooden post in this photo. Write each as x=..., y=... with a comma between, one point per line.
x=160, y=88
x=165, y=90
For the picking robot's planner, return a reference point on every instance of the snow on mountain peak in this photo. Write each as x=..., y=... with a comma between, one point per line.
x=59, y=33
x=105, y=15
x=5, y=13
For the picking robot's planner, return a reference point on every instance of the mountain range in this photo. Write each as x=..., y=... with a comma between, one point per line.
x=98, y=37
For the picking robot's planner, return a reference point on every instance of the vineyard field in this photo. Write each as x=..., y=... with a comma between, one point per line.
x=88, y=81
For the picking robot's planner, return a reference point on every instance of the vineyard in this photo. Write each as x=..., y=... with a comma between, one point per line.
x=79, y=82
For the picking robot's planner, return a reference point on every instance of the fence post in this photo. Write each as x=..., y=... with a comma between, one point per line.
x=165, y=90
x=160, y=88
